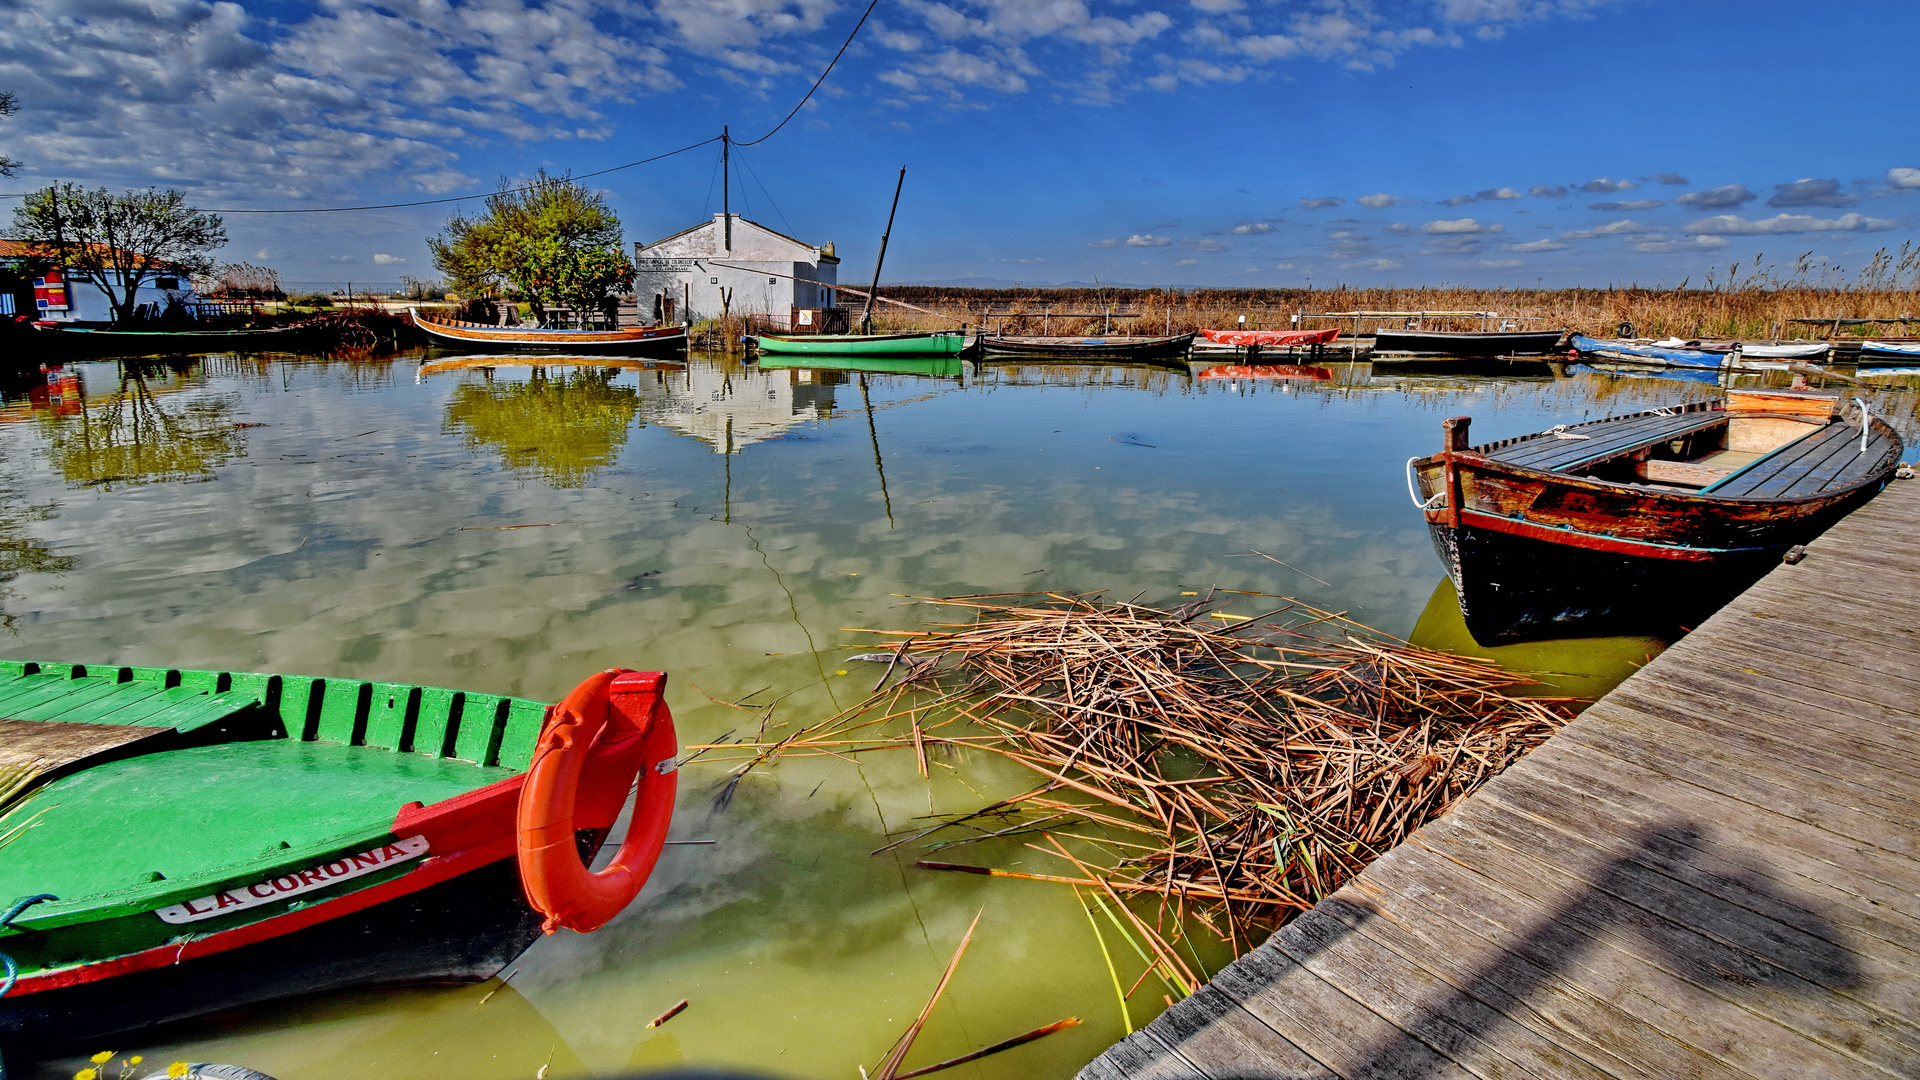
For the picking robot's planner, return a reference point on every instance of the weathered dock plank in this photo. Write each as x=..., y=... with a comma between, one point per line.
x=1713, y=872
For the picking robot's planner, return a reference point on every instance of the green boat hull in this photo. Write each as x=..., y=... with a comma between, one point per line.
x=941, y=344
x=937, y=367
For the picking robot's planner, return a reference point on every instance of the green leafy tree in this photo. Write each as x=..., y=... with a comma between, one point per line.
x=119, y=241
x=549, y=243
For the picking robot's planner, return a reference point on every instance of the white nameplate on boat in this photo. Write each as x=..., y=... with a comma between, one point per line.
x=241, y=897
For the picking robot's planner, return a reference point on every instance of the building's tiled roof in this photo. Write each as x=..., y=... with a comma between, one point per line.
x=743, y=219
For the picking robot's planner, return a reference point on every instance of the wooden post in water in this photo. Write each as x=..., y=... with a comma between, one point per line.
x=866, y=316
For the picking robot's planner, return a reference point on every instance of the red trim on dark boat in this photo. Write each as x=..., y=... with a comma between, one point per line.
x=1576, y=538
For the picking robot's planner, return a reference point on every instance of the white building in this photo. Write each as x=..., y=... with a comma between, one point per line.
x=747, y=269
x=62, y=295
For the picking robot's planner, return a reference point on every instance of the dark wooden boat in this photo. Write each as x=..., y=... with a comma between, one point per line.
x=178, y=843
x=78, y=342
x=1467, y=343
x=638, y=339
x=1645, y=523
x=1087, y=348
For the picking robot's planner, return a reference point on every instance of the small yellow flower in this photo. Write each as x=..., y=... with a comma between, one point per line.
x=87, y=1074
x=178, y=1068
x=102, y=1057
x=135, y=1059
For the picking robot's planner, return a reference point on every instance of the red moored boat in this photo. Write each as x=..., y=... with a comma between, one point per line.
x=1271, y=339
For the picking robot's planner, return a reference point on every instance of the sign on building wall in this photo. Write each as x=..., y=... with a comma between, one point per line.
x=663, y=265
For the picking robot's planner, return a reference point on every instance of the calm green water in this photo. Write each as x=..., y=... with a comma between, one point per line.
x=512, y=529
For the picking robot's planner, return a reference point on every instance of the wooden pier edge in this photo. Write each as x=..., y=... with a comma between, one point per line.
x=1713, y=872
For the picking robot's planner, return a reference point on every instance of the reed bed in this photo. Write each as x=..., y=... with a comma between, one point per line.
x=1217, y=769
x=1745, y=309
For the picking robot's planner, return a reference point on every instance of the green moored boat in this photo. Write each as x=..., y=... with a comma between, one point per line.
x=934, y=343
x=937, y=367
x=175, y=843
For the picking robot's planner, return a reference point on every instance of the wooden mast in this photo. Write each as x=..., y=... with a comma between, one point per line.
x=866, y=314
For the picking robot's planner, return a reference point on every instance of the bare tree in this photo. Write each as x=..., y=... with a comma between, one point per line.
x=119, y=241
x=8, y=106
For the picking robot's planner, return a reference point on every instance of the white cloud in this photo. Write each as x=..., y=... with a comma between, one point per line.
x=1210, y=245
x=1903, y=177
x=1630, y=205
x=1623, y=227
x=1664, y=244
x=1186, y=262
x=1285, y=266
x=381, y=258
x=1400, y=228
x=1459, y=227
x=1252, y=228
x=1380, y=200
x=1724, y=197
x=1733, y=225
x=1376, y=264
x=1547, y=191
x=1604, y=185
x=1322, y=203
x=1147, y=240
x=1538, y=245
x=1497, y=194
x=1103, y=243
x=1216, y=7
x=1496, y=264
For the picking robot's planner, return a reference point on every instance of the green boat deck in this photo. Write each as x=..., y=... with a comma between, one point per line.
x=250, y=776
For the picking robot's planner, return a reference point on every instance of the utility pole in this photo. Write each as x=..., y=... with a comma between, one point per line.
x=726, y=184
x=866, y=316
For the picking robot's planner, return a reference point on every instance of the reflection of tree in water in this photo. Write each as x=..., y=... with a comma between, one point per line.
x=19, y=552
x=561, y=429
x=130, y=438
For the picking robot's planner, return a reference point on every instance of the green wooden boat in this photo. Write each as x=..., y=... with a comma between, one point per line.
x=935, y=343
x=938, y=367
x=176, y=843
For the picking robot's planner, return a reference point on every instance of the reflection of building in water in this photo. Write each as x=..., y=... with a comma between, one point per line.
x=562, y=428
x=728, y=407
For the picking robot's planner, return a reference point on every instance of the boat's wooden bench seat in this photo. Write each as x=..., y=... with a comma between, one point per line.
x=1829, y=460
x=1605, y=439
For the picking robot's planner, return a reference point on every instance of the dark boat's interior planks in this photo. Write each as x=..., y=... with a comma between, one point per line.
x=1829, y=460
x=1551, y=453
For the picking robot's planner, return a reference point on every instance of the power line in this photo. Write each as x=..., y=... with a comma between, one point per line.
x=818, y=81
x=529, y=187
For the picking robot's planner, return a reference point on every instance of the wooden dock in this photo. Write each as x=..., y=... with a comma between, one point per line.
x=1713, y=872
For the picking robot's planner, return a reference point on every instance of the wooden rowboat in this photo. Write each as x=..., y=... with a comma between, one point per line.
x=1467, y=343
x=180, y=842
x=478, y=335
x=1088, y=348
x=934, y=343
x=1643, y=523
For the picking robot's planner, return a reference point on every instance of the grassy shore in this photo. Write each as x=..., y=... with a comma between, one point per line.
x=1689, y=313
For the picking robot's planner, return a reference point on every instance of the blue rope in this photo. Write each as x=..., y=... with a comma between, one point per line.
x=13, y=970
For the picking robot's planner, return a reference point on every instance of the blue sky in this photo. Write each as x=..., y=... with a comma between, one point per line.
x=1183, y=142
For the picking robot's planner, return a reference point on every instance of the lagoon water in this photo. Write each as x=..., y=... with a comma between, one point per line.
x=511, y=529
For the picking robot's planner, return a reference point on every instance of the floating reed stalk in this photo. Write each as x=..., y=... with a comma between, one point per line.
x=1240, y=770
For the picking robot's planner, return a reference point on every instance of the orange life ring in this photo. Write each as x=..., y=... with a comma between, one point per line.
x=613, y=725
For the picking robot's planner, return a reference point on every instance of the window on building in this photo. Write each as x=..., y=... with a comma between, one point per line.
x=773, y=281
x=713, y=281
x=166, y=283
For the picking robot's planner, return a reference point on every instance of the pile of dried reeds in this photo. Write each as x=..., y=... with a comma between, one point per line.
x=1238, y=768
